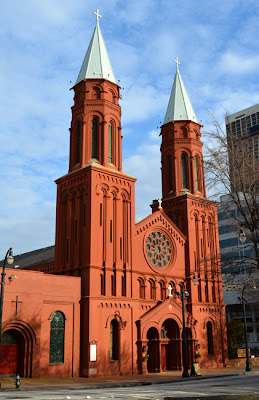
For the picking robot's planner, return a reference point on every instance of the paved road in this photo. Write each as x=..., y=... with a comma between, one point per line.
x=198, y=388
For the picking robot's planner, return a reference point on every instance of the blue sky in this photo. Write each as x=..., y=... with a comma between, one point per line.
x=43, y=44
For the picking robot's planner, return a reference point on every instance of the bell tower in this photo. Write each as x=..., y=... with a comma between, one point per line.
x=184, y=196
x=95, y=200
x=181, y=148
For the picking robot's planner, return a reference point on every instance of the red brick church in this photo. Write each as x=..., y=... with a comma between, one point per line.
x=108, y=301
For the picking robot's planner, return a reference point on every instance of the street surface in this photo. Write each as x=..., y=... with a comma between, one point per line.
x=198, y=388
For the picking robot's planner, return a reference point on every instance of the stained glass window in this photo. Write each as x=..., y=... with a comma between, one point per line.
x=158, y=249
x=57, y=328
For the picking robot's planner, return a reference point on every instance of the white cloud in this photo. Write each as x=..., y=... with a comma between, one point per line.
x=238, y=63
x=42, y=47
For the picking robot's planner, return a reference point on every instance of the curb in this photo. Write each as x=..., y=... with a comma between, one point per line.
x=132, y=383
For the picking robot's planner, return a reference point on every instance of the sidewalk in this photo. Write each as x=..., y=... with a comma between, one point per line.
x=116, y=381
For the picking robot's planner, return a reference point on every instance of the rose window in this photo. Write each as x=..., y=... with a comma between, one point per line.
x=158, y=249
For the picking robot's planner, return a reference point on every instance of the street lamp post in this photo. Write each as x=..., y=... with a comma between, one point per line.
x=10, y=259
x=183, y=294
x=243, y=301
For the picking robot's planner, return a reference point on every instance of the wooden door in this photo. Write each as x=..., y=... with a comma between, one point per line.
x=163, y=358
x=8, y=364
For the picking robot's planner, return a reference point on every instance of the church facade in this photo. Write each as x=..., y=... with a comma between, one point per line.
x=134, y=278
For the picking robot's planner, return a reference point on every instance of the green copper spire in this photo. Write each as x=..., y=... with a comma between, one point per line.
x=96, y=63
x=179, y=106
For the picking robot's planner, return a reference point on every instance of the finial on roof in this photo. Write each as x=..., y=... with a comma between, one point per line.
x=97, y=15
x=177, y=62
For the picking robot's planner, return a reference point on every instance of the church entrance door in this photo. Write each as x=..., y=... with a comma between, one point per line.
x=12, y=353
x=163, y=357
x=153, y=363
x=170, y=351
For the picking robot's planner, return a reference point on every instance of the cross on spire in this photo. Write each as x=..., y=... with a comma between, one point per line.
x=97, y=15
x=177, y=62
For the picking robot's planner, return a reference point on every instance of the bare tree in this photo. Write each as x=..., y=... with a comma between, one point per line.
x=232, y=175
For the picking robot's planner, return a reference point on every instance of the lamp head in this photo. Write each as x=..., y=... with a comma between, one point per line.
x=242, y=236
x=194, y=279
x=10, y=258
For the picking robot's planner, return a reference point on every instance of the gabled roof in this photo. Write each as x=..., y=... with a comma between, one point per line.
x=179, y=106
x=96, y=63
x=32, y=258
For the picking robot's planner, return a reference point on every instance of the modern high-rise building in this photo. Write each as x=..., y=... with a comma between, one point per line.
x=238, y=260
x=245, y=125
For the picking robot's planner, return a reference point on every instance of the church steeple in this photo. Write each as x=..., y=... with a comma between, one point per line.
x=96, y=63
x=179, y=106
x=95, y=133
x=181, y=148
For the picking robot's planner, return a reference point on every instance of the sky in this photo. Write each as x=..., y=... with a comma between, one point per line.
x=43, y=44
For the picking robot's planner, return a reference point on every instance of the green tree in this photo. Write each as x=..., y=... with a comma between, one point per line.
x=236, y=336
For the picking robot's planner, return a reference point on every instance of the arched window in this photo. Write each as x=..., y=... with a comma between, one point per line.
x=57, y=328
x=209, y=338
x=110, y=142
x=196, y=165
x=141, y=288
x=184, y=170
x=170, y=177
x=162, y=290
x=78, y=141
x=94, y=137
x=114, y=340
x=152, y=289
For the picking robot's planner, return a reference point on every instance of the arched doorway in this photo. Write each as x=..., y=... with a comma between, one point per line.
x=13, y=346
x=153, y=363
x=170, y=346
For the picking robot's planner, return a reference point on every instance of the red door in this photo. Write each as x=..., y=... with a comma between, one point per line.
x=163, y=357
x=8, y=364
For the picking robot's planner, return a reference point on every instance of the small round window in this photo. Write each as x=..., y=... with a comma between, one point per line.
x=158, y=249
